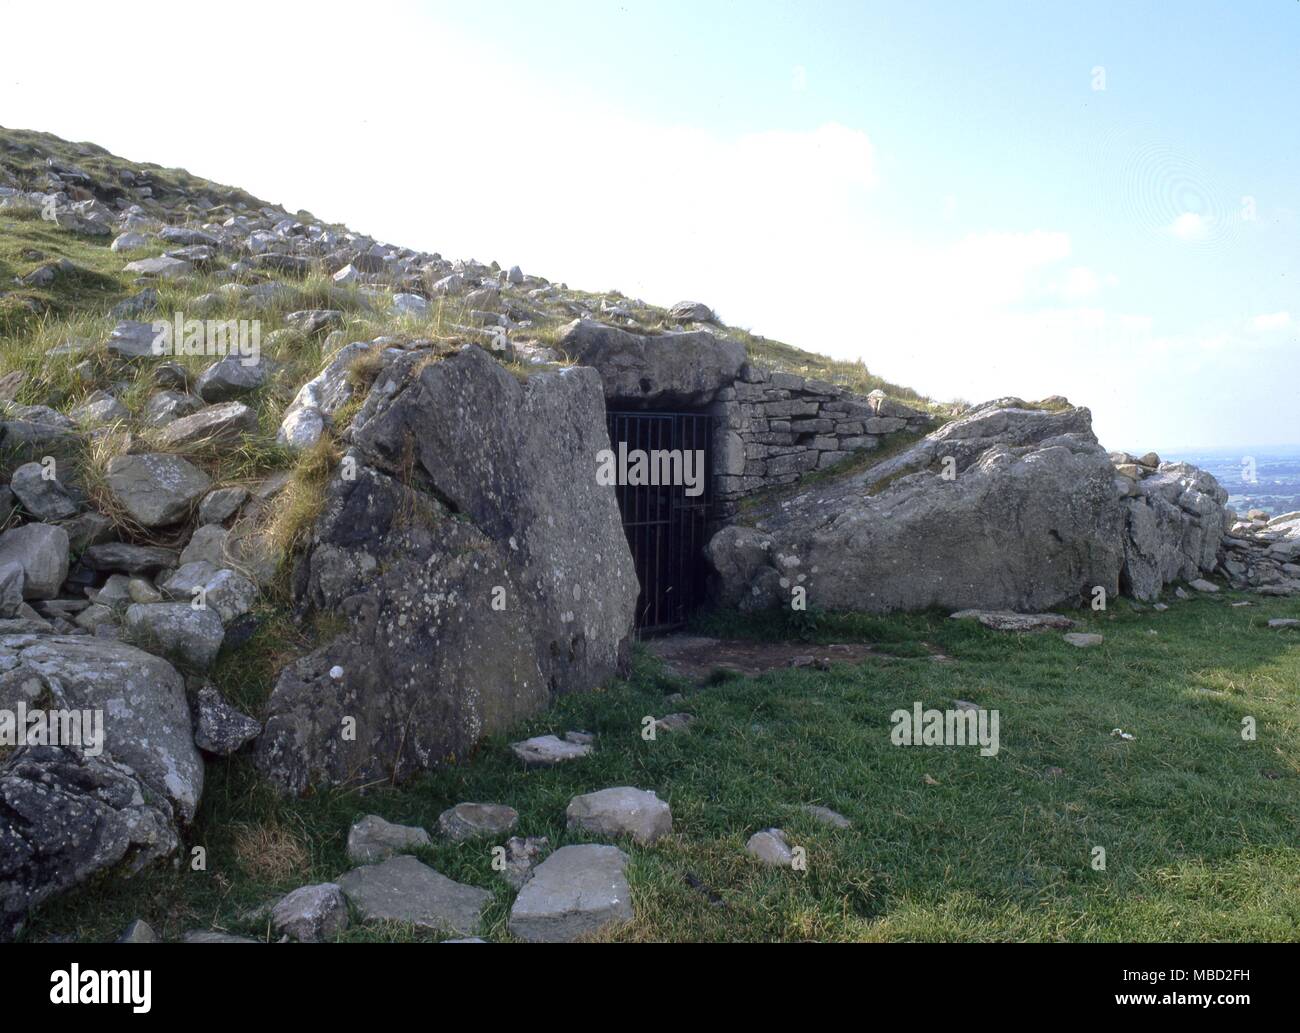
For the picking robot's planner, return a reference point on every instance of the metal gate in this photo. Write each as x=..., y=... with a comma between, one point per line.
x=665, y=527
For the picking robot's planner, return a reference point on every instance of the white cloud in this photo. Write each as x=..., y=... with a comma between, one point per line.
x=1189, y=227
x=1271, y=321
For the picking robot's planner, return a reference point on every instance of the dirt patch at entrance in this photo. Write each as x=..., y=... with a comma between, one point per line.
x=696, y=658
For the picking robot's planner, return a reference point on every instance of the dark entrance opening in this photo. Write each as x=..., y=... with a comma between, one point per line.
x=665, y=527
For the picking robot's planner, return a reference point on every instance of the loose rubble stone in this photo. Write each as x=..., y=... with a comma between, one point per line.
x=220, y=505
x=620, y=811
x=472, y=820
x=124, y=558
x=522, y=853
x=138, y=931
x=230, y=379
x=374, y=839
x=402, y=889
x=576, y=891
x=156, y=489
x=41, y=550
x=213, y=936
x=226, y=422
x=1083, y=640
x=674, y=723
x=311, y=913
x=176, y=631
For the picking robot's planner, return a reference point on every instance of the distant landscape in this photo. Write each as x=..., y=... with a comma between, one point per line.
x=1275, y=483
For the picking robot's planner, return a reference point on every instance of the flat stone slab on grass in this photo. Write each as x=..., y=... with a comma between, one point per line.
x=374, y=839
x=544, y=751
x=471, y=820
x=826, y=816
x=696, y=658
x=674, y=723
x=1284, y=622
x=1005, y=620
x=576, y=891
x=621, y=811
x=1082, y=639
x=770, y=847
x=402, y=889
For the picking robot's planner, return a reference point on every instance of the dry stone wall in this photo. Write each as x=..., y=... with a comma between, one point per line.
x=771, y=428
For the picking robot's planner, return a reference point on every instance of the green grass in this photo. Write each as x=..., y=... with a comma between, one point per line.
x=1201, y=829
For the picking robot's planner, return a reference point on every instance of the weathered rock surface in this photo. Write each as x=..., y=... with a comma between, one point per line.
x=404, y=890
x=469, y=487
x=576, y=891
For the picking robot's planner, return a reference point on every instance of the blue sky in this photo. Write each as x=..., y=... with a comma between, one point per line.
x=938, y=188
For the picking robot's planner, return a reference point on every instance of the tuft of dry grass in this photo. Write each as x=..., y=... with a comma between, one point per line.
x=295, y=509
x=269, y=849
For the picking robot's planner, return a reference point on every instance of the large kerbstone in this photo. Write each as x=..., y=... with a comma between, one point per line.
x=404, y=890
x=481, y=567
x=1029, y=520
x=576, y=891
